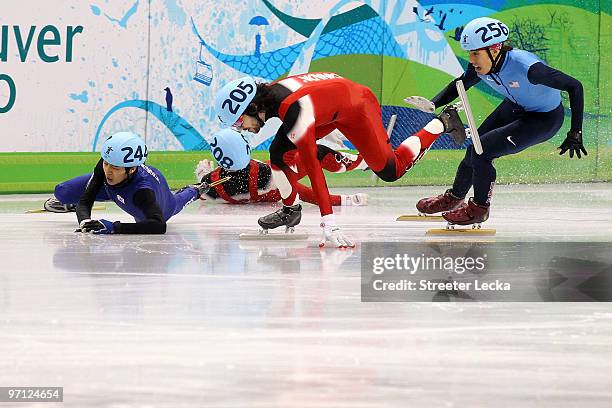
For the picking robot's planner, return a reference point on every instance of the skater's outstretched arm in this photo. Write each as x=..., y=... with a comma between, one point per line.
x=207, y=178
x=86, y=202
x=449, y=94
x=540, y=73
x=153, y=223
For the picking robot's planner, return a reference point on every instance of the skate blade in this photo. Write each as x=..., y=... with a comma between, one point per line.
x=420, y=103
x=42, y=210
x=220, y=181
x=472, y=129
x=273, y=236
x=422, y=218
x=461, y=231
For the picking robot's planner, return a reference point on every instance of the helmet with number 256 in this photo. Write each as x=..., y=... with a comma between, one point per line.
x=230, y=149
x=124, y=149
x=233, y=99
x=483, y=32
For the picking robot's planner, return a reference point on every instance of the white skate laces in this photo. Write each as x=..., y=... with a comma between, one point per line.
x=332, y=235
x=357, y=199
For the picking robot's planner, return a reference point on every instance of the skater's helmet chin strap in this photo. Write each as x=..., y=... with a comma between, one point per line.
x=494, y=60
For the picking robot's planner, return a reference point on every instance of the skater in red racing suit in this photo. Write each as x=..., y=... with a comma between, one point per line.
x=254, y=183
x=310, y=106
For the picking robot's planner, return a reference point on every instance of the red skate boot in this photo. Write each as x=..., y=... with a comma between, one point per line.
x=471, y=213
x=442, y=202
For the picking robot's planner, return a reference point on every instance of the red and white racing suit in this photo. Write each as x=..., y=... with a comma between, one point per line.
x=253, y=184
x=316, y=104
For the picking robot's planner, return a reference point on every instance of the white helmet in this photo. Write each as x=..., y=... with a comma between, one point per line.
x=233, y=99
x=483, y=32
x=230, y=149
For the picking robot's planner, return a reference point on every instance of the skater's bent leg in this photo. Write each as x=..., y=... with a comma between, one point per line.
x=428, y=135
x=531, y=129
x=370, y=137
x=272, y=196
x=412, y=149
x=308, y=152
x=463, y=178
x=307, y=195
x=365, y=130
x=374, y=146
x=282, y=152
x=505, y=113
x=70, y=191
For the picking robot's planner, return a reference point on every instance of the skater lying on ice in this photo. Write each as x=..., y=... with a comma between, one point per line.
x=310, y=106
x=251, y=180
x=530, y=113
x=121, y=176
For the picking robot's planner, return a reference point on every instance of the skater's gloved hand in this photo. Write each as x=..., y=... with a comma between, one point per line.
x=573, y=143
x=203, y=168
x=332, y=235
x=96, y=226
x=203, y=188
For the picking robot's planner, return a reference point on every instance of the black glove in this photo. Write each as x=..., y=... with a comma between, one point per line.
x=202, y=188
x=96, y=226
x=573, y=143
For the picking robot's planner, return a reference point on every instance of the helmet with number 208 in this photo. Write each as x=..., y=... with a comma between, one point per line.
x=483, y=32
x=230, y=149
x=124, y=149
x=233, y=99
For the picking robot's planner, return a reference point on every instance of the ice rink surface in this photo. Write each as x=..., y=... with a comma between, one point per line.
x=198, y=318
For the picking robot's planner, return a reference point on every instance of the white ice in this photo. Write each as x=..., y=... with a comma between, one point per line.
x=197, y=318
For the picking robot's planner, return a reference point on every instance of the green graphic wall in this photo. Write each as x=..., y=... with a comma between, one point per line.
x=110, y=75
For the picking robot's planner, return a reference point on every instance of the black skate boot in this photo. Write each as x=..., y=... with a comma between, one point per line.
x=54, y=205
x=471, y=213
x=453, y=124
x=442, y=202
x=289, y=216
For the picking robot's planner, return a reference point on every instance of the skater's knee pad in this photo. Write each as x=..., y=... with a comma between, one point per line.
x=388, y=173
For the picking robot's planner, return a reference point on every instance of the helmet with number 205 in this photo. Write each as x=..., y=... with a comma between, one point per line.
x=124, y=149
x=230, y=149
x=483, y=32
x=233, y=99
